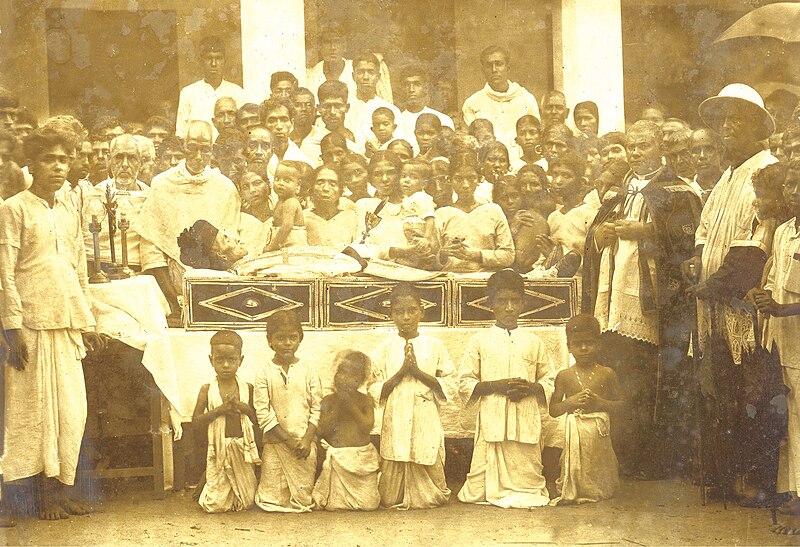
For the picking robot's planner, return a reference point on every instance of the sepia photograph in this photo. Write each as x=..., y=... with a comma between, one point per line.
x=399, y=272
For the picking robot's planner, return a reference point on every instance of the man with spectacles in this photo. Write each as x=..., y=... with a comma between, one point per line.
x=180, y=196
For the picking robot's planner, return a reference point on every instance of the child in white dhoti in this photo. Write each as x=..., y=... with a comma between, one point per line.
x=410, y=375
x=780, y=299
x=510, y=374
x=349, y=478
x=587, y=392
x=287, y=400
x=225, y=407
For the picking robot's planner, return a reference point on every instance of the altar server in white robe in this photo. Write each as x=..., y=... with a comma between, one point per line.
x=509, y=373
x=411, y=375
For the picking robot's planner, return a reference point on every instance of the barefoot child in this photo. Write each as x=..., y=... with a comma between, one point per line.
x=508, y=372
x=288, y=226
x=410, y=374
x=587, y=392
x=780, y=299
x=287, y=398
x=349, y=478
x=225, y=408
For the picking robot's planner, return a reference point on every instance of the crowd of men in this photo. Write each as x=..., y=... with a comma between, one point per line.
x=669, y=227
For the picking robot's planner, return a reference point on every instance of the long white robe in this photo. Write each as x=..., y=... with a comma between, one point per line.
x=292, y=400
x=412, y=438
x=506, y=468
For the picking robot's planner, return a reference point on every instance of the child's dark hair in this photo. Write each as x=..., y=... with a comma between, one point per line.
x=383, y=111
x=768, y=182
x=283, y=320
x=367, y=57
x=352, y=157
x=506, y=279
x=333, y=140
x=226, y=337
x=583, y=323
x=402, y=289
x=358, y=359
x=528, y=119
x=571, y=160
x=536, y=170
x=428, y=119
x=466, y=159
x=423, y=166
x=501, y=187
x=480, y=123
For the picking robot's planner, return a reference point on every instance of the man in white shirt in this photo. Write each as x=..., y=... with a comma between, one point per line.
x=197, y=100
x=306, y=134
x=415, y=85
x=279, y=120
x=500, y=101
x=367, y=73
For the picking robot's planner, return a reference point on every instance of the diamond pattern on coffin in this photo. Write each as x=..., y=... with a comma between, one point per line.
x=550, y=302
x=352, y=304
x=257, y=314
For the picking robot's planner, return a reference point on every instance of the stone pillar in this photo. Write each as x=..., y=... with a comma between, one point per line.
x=587, y=50
x=273, y=39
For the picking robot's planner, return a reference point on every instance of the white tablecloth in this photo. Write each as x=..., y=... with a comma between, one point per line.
x=193, y=368
x=134, y=311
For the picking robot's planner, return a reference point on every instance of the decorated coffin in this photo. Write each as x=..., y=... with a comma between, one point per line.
x=364, y=302
x=243, y=302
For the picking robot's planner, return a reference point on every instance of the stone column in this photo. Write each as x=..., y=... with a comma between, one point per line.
x=587, y=50
x=273, y=39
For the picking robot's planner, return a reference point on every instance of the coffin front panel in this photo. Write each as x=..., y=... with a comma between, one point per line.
x=247, y=302
x=359, y=303
x=547, y=302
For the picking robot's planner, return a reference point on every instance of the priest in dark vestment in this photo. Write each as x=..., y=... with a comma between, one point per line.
x=632, y=284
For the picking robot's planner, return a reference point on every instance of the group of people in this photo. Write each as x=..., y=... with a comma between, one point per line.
x=505, y=370
x=685, y=242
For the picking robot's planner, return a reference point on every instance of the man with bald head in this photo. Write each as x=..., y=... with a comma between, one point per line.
x=180, y=196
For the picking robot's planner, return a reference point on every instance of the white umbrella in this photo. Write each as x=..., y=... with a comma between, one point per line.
x=780, y=20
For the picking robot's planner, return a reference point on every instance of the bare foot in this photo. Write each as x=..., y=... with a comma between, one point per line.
x=785, y=530
x=50, y=510
x=74, y=507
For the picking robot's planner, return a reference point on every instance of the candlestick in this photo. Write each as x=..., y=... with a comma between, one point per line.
x=111, y=207
x=123, y=224
x=98, y=276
